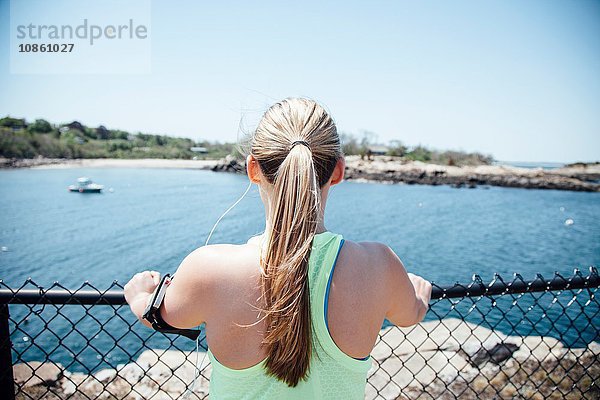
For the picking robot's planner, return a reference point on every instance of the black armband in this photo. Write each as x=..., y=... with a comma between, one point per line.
x=152, y=312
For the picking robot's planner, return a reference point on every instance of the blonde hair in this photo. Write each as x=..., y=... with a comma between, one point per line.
x=297, y=147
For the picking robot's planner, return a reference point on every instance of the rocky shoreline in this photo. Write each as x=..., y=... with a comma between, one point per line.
x=383, y=169
x=584, y=177
x=437, y=359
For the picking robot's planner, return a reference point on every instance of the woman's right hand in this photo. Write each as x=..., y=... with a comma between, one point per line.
x=422, y=288
x=409, y=294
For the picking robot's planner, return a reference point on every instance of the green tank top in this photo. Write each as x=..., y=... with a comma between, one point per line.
x=333, y=374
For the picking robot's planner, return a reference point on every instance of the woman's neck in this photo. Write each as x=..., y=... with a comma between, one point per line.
x=262, y=239
x=320, y=227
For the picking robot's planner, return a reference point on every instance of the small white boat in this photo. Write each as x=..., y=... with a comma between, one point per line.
x=85, y=185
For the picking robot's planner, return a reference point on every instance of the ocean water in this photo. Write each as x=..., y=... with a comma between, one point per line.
x=153, y=218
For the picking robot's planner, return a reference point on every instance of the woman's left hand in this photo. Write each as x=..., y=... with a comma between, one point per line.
x=139, y=289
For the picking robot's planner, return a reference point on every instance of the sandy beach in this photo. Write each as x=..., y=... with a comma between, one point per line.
x=60, y=163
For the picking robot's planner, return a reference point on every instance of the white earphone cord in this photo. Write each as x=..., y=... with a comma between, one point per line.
x=197, y=370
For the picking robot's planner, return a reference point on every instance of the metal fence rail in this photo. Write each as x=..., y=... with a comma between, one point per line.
x=512, y=338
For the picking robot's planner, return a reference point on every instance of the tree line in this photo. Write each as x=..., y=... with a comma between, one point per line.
x=22, y=139
x=366, y=145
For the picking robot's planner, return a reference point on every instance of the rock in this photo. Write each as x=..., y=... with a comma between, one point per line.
x=451, y=334
x=132, y=372
x=508, y=391
x=68, y=387
x=594, y=348
x=70, y=382
x=91, y=386
x=480, y=383
x=448, y=359
x=537, y=348
x=174, y=370
x=37, y=373
x=417, y=370
x=118, y=387
x=106, y=375
x=497, y=354
x=229, y=164
x=396, y=170
x=414, y=172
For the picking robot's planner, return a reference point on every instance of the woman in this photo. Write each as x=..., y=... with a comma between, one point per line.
x=295, y=312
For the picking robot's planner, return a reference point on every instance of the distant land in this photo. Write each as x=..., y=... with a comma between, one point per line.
x=40, y=144
x=21, y=139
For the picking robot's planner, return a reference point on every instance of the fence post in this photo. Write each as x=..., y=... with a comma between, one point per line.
x=7, y=383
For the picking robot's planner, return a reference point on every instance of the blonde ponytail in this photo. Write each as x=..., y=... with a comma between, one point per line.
x=297, y=147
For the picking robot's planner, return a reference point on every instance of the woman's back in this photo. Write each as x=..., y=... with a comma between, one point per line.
x=342, y=287
x=277, y=312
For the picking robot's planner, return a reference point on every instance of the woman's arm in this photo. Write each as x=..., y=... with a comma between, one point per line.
x=189, y=293
x=409, y=294
x=187, y=297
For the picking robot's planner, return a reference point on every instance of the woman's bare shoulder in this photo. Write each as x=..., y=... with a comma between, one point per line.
x=372, y=252
x=209, y=271
x=218, y=259
x=368, y=260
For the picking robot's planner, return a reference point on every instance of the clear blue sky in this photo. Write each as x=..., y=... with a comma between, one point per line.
x=517, y=79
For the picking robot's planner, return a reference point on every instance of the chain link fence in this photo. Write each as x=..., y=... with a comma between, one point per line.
x=514, y=338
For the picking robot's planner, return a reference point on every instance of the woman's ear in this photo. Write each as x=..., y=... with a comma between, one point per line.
x=338, y=172
x=253, y=169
